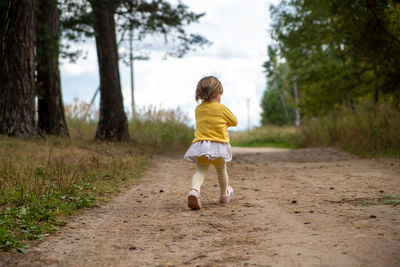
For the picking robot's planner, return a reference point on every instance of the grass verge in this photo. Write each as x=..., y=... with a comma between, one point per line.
x=43, y=181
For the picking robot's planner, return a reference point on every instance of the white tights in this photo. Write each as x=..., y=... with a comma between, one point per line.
x=202, y=164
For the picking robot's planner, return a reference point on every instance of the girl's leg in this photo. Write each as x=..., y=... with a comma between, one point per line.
x=202, y=164
x=222, y=173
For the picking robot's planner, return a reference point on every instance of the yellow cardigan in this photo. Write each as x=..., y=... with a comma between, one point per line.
x=212, y=122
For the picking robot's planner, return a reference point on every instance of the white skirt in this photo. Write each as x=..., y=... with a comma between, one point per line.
x=212, y=150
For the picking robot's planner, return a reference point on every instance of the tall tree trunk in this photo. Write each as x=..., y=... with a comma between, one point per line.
x=51, y=118
x=17, y=85
x=113, y=124
x=297, y=121
x=376, y=92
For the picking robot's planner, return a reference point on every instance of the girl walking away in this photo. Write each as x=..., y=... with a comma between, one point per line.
x=211, y=140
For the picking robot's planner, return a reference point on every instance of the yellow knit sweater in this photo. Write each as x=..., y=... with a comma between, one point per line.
x=212, y=122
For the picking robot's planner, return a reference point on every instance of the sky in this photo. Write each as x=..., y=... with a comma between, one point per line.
x=238, y=30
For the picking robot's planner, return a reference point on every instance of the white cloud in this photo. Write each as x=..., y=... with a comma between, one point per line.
x=82, y=66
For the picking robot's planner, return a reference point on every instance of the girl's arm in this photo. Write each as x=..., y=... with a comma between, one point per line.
x=231, y=119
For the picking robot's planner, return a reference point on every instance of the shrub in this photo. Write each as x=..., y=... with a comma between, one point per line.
x=367, y=130
x=159, y=130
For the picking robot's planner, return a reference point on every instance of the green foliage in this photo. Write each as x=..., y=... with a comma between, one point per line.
x=338, y=51
x=273, y=109
x=278, y=105
x=146, y=18
x=161, y=17
x=344, y=57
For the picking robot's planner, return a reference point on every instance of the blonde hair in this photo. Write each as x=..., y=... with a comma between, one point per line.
x=208, y=88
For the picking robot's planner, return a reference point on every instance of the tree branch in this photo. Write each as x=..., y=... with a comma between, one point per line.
x=372, y=10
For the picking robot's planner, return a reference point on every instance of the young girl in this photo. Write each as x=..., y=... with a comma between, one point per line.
x=211, y=142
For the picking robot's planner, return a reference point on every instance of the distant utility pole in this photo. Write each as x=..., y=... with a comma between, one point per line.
x=132, y=72
x=248, y=113
x=91, y=103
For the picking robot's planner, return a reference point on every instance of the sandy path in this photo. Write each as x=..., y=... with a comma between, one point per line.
x=150, y=224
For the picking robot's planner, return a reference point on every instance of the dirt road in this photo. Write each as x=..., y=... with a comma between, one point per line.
x=308, y=207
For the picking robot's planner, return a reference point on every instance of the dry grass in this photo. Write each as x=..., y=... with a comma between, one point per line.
x=43, y=180
x=367, y=130
x=82, y=121
x=153, y=130
x=159, y=130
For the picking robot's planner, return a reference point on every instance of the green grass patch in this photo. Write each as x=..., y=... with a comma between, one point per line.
x=266, y=136
x=262, y=144
x=385, y=200
x=367, y=203
x=379, y=153
x=392, y=200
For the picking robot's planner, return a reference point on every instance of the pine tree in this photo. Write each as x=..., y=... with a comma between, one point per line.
x=51, y=117
x=17, y=84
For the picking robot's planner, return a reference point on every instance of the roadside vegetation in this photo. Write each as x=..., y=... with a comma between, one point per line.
x=42, y=181
x=323, y=75
x=367, y=130
x=266, y=136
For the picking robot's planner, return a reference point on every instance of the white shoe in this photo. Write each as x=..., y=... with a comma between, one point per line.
x=194, y=199
x=224, y=199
